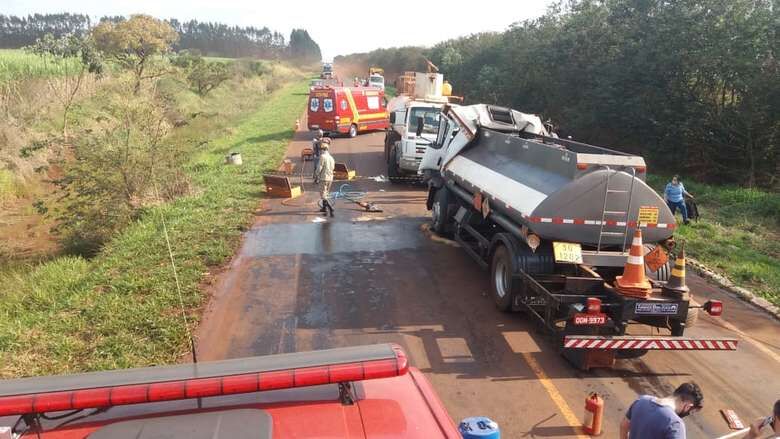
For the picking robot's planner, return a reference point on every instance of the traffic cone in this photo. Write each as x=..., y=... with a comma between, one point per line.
x=633, y=281
x=676, y=283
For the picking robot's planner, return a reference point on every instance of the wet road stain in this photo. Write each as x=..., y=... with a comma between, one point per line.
x=332, y=237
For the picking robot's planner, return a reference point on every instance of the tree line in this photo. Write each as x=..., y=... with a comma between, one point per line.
x=214, y=39
x=692, y=85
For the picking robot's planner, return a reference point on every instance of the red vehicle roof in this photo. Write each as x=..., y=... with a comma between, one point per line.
x=377, y=401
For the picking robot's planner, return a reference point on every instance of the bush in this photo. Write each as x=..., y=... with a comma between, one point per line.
x=122, y=163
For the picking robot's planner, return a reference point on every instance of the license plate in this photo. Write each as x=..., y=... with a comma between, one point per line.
x=567, y=252
x=582, y=319
x=657, y=309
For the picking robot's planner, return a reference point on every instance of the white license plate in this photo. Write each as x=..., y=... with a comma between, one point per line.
x=582, y=319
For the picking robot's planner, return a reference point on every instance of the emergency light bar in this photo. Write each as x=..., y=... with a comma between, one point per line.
x=230, y=377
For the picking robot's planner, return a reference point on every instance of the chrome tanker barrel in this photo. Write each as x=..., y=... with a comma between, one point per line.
x=562, y=190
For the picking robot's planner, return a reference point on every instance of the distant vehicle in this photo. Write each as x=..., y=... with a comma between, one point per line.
x=376, y=80
x=327, y=71
x=554, y=223
x=347, y=110
x=316, y=83
x=356, y=392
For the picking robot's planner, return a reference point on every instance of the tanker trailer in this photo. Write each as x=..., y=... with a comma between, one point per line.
x=563, y=228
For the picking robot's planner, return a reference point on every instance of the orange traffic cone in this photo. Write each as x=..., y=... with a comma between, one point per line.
x=676, y=283
x=633, y=281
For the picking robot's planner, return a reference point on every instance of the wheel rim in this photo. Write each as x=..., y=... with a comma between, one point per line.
x=352, y=131
x=436, y=212
x=501, y=279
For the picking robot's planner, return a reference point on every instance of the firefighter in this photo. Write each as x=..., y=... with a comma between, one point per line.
x=324, y=175
x=315, y=147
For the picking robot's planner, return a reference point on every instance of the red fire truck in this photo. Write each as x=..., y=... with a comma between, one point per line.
x=347, y=110
x=355, y=392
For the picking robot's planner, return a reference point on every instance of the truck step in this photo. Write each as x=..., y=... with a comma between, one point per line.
x=612, y=234
x=616, y=191
x=614, y=212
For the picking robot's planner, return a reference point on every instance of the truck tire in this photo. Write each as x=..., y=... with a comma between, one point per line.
x=353, y=130
x=693, y=315
x=502, y=284
x=440, y=211
x=393, y=171
x=625, y=354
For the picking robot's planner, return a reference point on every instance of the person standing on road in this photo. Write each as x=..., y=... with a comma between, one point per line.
x=661, y=418
x=324, y=175
x=772, y=422
x=315, y=147
x=674, y=195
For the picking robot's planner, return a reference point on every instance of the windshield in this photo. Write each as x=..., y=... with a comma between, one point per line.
x=430, y=117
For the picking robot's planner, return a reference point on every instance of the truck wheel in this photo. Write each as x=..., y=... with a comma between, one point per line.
x=693, y=316
x=440, y=211
x=353, y=130
x=393, y=171
x=625, y=354
x=501, y=281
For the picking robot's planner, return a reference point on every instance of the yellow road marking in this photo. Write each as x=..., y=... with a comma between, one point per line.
x=555, y=395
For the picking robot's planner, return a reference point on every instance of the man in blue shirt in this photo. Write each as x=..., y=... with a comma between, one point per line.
x=674, y=195
x=661, y=418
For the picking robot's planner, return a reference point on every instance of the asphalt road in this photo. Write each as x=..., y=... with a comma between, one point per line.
x=298, y=283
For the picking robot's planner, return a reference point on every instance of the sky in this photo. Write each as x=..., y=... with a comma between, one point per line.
x=340, y=29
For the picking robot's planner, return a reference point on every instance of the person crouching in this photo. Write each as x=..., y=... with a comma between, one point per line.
x=324, y=175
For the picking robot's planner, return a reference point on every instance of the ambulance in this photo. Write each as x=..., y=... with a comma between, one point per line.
x=347, y=110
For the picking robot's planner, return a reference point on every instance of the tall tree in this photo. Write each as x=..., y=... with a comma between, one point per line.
x=135, y=42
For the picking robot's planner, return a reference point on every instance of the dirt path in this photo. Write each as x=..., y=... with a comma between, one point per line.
x=361, y=278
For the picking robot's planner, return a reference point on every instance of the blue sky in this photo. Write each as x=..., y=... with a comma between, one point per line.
x=340, y=29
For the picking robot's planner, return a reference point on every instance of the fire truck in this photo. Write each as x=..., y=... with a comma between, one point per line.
x=354, y=392
x=347, y=110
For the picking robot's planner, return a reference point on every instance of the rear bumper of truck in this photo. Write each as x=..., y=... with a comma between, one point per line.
x=655, y=343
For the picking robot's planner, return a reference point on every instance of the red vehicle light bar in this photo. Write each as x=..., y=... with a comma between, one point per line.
x=648, y=342
x=245, y=375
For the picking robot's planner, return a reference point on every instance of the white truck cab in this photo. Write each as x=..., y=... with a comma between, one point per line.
x=414, y=124
x=376, y=80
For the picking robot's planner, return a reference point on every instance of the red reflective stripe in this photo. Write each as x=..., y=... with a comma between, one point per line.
x=557, y=220
x=535, y=219
x=579, y=221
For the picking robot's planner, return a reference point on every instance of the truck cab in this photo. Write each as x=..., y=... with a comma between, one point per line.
x=376, y=80
x=413, y=127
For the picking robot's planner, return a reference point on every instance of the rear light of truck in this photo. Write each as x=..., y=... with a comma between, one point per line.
x=582, y=166
x=84, y=397
x=714, y=308
x=593, y=305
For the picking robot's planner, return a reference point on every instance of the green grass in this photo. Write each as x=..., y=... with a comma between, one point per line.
x=738, y=234
x=120, y=309
x=17, y=64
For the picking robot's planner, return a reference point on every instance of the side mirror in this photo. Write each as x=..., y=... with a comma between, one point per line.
x=392, y=117
x=420, y=125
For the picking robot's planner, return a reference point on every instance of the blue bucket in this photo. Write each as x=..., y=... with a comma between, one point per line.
x=479, y=427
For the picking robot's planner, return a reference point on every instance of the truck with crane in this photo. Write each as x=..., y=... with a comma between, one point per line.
x=563, y=228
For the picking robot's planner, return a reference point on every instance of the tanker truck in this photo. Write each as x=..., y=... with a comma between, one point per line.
x=563, y=229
